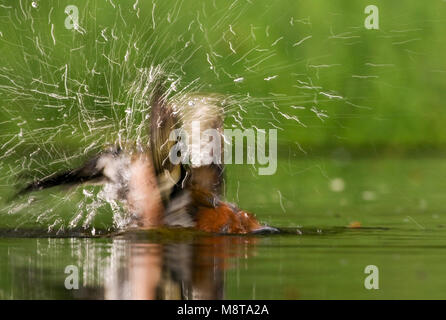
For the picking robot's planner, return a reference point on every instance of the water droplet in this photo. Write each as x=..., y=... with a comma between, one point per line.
x=337, y=185
x=368, y=195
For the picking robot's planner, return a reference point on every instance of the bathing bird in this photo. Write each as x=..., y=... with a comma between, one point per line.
x=153, y=189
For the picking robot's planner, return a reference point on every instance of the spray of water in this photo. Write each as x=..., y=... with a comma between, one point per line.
x=67, y=93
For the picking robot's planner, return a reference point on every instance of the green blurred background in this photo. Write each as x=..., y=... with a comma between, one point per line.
x=391, y=79
x=358, y=112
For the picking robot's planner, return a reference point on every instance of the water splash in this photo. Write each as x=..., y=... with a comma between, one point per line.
x=66, y=94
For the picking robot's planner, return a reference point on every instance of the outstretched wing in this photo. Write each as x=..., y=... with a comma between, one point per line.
x=163, y=119
x=91, y=172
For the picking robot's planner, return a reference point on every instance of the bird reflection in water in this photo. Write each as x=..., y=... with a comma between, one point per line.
x=133, y=265
x=193, y=270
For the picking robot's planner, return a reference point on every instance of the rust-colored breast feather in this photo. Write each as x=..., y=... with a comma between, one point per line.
x=225, y=219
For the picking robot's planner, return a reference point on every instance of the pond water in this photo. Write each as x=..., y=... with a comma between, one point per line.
x=337, y=218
